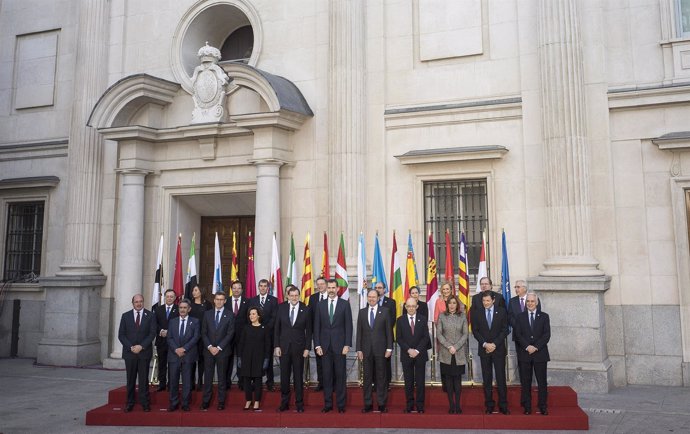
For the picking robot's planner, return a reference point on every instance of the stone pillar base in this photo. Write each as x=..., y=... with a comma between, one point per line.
x=71, y=321
x=686, y=373
x=575, y=305
x=112, y=363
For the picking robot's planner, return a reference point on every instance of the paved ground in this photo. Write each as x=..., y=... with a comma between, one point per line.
x=42, y=399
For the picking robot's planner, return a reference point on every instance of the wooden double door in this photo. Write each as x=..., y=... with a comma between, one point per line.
x=224, y=226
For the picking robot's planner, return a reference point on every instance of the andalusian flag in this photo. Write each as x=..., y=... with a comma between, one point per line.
x=482, y=264
x=292, y=265
x=325, y=267
x=463, y=280
x=341, y=272
x=191, y=271
x=250, y=286
x=158, y=280
x=449, y=273
x=361, y=272
x=378, y=273
x=431, y=280
x=307, y=282
x=234, y=268
x=396, y=280
x=217, y=274
x=276, y=276
x=411, y=276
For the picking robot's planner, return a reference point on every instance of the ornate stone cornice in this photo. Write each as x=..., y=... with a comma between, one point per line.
x=446, y=155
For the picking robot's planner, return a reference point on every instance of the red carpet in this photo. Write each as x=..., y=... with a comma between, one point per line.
x=564, y=413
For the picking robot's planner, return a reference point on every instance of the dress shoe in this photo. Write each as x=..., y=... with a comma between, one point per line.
x=504, y=410
x=326, y=409
x=408, y=410
x=147, y=408
x=283, y=408
x=420, y=411
x=367, y=409
x=172, y=408
x=220, y=407
x=341, y=410
x=270, y=387
x=185, y=408
x=451, y=411
x=544, y=411
x=300, y=409
x=528, y=411
x=160, y=388
x=318, y=388
x=488, y=410
x=458, y=411
x=129, y=408
x=383, y=409
x=204, y=406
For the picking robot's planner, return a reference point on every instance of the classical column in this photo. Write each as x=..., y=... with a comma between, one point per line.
x=571, y=287
x=267, y=219
x=129, y=262
x=346, y=120
x=569, y=237
x=85, y=143
x=72, y=308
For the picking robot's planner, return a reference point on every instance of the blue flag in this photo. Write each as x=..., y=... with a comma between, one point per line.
x=505, y=273
x=378, y=273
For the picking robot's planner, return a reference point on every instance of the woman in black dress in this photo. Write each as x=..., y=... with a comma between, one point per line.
x=200, y=305
x=254, y=349
x=422, y=308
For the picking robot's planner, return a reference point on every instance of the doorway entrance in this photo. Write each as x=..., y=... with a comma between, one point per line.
x=224, y=226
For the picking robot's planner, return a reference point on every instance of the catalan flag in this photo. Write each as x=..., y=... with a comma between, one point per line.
x=307, y=282
x=463, y=281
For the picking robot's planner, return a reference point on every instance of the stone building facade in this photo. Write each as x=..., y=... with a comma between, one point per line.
x=566, y=123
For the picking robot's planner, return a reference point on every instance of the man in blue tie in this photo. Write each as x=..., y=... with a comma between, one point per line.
x=183, y=335
x=490, y=328
x=374, y=345
x=217, y=331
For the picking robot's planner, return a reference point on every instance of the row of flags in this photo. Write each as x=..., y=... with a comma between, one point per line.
x=398, y=290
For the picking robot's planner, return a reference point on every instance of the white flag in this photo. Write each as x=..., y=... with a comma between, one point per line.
x=158, y=282
x=361, y=272
x=217, y=274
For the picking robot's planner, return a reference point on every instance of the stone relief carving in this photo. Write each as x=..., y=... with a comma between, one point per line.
x=208, y=82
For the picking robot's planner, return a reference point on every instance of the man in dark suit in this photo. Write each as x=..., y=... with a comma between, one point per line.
x=332, y=340
x=490, y=328
x=183, y=337
x=532, y=334
x=414, y=341
x=314, y=299
x=238, y=306
x=136, y=334
x=269, y=306
x=164, y=313
x=292, y=336
x=516, y=306
x=486, y=285
x=389, y=304
x=374, y=345
x=217, y=331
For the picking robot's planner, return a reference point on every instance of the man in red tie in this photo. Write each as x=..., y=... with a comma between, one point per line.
x=414, y=341
x=136, y=334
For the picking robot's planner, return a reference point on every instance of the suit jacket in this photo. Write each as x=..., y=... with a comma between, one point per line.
x=287, y=335
x=496, y=334
x=129, y=335
x=240, y=318
x=514, y=311
x=422, y=309
x=220, y=336
x=313, y=302
x=162, y=322
x=374, y=340
x=420, y=341
x=389, y=304
x=538, y=335
x=268, y=311
x=337, y=335
x=188, y=341
x=477, y=302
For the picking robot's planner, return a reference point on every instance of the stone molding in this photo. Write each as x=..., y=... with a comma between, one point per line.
x=42, y=182
x=641, y=96
x=447, y=155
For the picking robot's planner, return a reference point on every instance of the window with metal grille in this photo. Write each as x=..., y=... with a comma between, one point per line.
x=23, y=240
x=456, y=206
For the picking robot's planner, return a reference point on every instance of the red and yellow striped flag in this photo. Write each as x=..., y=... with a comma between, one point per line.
x=463, y=281
x=234, y=268
x=307, y=282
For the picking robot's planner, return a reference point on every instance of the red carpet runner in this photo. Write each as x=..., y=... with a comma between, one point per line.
x=564, y=412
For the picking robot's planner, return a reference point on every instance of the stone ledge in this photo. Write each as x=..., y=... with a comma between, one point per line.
x=574, y=284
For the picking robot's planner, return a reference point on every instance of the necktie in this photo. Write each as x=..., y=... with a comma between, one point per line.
x=182, y=328
x=167, y=312
x=371, y=318
x=522, y=305
x=412, y=325
x=330, y=311
x=217, y=318
x=292, y=316
x=137, y=321
x=263, y=300
x=236, y=308
x=488, y=317
x=531, y=320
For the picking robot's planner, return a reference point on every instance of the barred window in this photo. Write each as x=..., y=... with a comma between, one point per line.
x=456, y=206
x=23, y=240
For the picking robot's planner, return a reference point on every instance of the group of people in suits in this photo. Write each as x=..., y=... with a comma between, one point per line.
x=255, y=330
